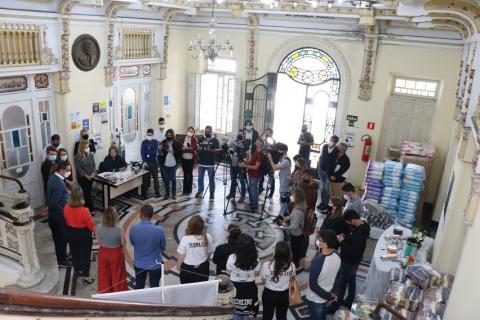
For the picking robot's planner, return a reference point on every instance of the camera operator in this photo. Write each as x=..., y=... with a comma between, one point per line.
x=269, y=143
x=283, y=167
x=238, y=151
x=250, y=134
x=254, y=174
x=208, y=147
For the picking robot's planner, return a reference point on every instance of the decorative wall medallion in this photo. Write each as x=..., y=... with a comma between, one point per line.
x=41, y=81
x=12, y=84
x=85, y=52
x=146, y=69
x=129, y=72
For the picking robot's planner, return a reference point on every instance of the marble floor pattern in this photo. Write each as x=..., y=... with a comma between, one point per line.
x=173, y=216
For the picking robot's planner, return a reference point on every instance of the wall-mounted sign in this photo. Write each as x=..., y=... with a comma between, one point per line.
x=41, y=81
x=86, y=124
x=12, y=84
x=129, y=72
x=371, y=126
x=349, y=138
x=351, y=120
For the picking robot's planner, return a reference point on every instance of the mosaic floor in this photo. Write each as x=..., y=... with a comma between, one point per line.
x=173, y=217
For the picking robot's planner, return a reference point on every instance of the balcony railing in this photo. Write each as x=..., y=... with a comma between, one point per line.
x=20, y=44
x=137, y=43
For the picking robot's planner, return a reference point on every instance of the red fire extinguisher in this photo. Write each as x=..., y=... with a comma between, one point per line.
x=367, y=146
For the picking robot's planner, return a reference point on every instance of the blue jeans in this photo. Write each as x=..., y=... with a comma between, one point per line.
x=242, y=176
x=170, y=179
x=242, y=317
x=253, y=191
x=283, y=205
x=324, y=195
x=141, y=277
x=211, y=178
x=318, y=311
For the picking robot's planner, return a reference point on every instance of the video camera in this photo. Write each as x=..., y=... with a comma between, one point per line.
x=273, y=151
x=235, y=153
x=203, y=145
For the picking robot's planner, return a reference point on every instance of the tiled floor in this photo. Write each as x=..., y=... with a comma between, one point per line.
x=173, y=217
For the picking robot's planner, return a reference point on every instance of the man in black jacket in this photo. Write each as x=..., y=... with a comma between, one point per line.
x=250, y=134
x=337, y=177
x=326, y=165
x=352, y=246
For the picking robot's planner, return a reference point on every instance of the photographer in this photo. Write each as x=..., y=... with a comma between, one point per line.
x=208, y=147
x=237, y=150
x=254, y=174
x=269, y=143
x=250, y=134
x=283, y=167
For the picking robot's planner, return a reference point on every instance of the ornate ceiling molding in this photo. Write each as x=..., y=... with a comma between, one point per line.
x=460, y=28
x=458, y=21
x=469, y=12
x=65, y=10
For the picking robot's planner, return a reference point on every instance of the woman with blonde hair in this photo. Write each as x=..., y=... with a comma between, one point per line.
x=85, y=167
x=112, y=276
x=193, y=252
x=80, y=227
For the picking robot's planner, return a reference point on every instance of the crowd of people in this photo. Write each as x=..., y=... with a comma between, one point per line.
x=340, y=240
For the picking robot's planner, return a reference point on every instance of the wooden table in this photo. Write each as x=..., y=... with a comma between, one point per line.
x=122, y=185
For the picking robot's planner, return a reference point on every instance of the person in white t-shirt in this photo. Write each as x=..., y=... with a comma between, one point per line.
x=243, y=266
x=276, y=274
x=194, y=250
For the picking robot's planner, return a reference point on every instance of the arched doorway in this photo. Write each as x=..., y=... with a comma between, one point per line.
x=308, y=86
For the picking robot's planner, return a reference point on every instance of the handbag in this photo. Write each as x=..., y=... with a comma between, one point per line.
x=294, y=297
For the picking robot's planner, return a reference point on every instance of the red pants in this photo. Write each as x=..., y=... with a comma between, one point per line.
x=112, y=276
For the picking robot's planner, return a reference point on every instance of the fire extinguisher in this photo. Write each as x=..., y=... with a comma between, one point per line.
x=367, y=146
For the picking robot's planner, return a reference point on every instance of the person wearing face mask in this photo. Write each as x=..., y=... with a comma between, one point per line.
x=57, y=196
x=85, y=167
x=352, y=245
x=269, y=143
x=54, y=142
x=84, y=137
x=170, y=153
x=149, y=152
x=237, y=173
x=337, y=177
x=250, y=134
x=334, y=221
x=326, y=165
x=310, y=187
x=305, y=142
x=208, y=148
x=47, y=165
x=324, y=270
x=353, y=200
x=283, y=167
x=159, y=135
x=189, y=157
x=62, y=155
x=254, y=174
x=113, y=161
x=296, y=178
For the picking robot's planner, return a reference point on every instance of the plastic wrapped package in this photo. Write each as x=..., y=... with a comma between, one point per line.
x=403, y=296
x=446, y=281
x=431, y=310
x=398, y=275
x=437, y=294
x=409, y=315
x=420, y=275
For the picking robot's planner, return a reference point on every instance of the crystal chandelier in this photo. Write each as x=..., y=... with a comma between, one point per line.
x=209, y=49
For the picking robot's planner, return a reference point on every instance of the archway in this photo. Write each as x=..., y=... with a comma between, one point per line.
x=308, y=87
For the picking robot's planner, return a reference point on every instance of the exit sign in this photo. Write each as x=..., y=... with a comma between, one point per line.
x=351, y=120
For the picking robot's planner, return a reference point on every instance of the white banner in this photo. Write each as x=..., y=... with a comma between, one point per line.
x=192, y=294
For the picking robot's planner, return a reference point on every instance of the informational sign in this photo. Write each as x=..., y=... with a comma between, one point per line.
x=95, y=107
x=349, y=138
x=97, y=139
x=97, y=123
x=167, y=104
x=103, y=106
x=86, y=124
x=75, y=122
x=351, y=120
x=371, y=126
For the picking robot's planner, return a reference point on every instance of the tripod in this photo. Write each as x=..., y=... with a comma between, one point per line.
x=267, y=191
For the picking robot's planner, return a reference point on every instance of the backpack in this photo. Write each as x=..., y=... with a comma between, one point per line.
x=309, y=223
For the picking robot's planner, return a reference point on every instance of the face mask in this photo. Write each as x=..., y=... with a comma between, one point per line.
x=55, y=145
x=331, y=144
x=162, y=126
x=85, y=137
x=67, y=174
x=169, y=138
x=64, y=158
x=149, y=138
x=52, y=158
x=87, y=150
x=346, y=197
x=249, y=127
x=189, y=134
x=317, y=242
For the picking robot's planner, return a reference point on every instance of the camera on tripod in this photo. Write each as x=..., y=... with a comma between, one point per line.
x=203, y=145
x=273, y=151
x=235, y=153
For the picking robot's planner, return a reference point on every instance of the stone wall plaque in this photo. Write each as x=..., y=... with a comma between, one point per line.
x=85, y=52
x=146, y=69
x=12, y=84
x=129, y=72
x=41, y=81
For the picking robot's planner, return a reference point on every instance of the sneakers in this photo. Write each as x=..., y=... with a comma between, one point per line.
x=241, y=200
x=157, y=194
x=212, y=197
x=198, y=196
x=174, y=197
x=166, y=197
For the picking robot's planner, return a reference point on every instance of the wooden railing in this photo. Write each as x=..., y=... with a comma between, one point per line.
x=137, y=43
x=375, y=315
x=20, y=44
x=22, y=303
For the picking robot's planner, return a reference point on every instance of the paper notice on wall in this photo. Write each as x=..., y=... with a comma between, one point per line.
x=349, y=138
x=97, y=139
x=75, y=122
x=86, y=124
x=97, y=123
x=95, y=107
x=167, y=104
x=103, y=106
x=104, y=117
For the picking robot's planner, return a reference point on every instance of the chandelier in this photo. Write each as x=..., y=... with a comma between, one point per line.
x=210, y=49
